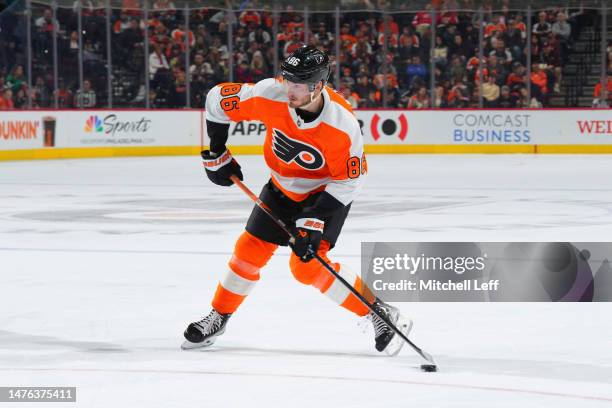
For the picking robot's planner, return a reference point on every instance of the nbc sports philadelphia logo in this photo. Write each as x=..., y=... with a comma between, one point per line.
x=94, y=125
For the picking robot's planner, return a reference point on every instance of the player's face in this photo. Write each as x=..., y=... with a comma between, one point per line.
x=298, y=94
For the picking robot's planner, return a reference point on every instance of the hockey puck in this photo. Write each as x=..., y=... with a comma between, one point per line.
x=429, y=368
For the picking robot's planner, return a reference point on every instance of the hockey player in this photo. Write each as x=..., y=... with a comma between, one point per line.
x=314, y=149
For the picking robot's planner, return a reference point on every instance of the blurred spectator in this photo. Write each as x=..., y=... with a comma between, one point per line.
x=561, y=27
x=460, y=48
x=21, y=99
x=158, y=64
x=249, y=17
x=473, y=68
x=2, y=81
x=260, y=36
x=457, y=69
x=175, y=56
x=85, y=98
x=178, y=92
x=416, y=69
x=515, y=37
x=506, y=99
x=441, y=99
x=603, y=97
x=361, y=49
x=540, y=79
x=459, y=95
x=347, y=77
x=563, y=31
x=522, y=99
x=516, y=79
x=391, y=94
x=373, y=100
x=324, y=37
x=491, y=92
x=440, y=53
x=16, y=79
x=130, y=38
x=474, y=101
x=41, y=95
x=603, y=101
x=44, y=31
x=364, y=87
x=293, y=44
x=73, y=43
x=503, y=54
x=6, y=100
x=495, y=27
x=259, y=67
x=422, y=20
x=420, y=100
x=552, y=61
x=389, y=24
x=542, y=27
x=350, y=98
x=346, y=38
x=45, y=22
x=493, y=68
x=409, y=47
x=243, y=73
x=121, y=24
x=63, y=94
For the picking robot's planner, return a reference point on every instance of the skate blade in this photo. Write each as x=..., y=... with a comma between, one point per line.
x=187, y=345
x=396, y=343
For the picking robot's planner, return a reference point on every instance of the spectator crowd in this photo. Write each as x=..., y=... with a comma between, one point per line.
x=385, y=59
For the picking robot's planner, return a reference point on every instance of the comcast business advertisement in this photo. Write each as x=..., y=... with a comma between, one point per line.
x=488, y=271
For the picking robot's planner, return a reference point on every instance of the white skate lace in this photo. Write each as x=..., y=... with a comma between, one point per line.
x=380, y=326
x=211, y=323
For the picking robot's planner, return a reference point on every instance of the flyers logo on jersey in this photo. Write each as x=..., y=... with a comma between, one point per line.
x=291, y=150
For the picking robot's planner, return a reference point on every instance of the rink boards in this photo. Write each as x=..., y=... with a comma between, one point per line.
x=105, y=133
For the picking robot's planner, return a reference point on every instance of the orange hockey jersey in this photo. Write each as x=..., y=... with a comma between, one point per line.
x=304, y=158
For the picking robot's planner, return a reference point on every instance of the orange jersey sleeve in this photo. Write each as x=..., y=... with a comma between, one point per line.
x=235, y=102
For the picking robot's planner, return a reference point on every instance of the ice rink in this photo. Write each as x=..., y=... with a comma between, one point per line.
x=104, y=262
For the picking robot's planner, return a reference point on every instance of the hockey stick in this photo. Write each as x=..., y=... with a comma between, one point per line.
x=331, y=270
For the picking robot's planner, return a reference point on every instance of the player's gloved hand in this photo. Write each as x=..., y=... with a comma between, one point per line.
x=308, y=232
x=220, y=166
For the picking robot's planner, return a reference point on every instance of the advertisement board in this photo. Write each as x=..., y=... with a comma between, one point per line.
x=466, y=127
x=92, y=133
x=25, y=130
x=128, y=128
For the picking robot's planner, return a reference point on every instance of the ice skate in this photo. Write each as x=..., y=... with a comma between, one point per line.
x=385, y=338
x=204, y=333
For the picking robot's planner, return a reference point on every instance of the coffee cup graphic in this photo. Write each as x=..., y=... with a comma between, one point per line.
x=49, y=131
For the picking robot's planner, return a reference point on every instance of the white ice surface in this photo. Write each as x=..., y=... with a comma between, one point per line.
x=104, y=262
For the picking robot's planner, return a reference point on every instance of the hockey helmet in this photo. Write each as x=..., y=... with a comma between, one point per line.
x=307, y=65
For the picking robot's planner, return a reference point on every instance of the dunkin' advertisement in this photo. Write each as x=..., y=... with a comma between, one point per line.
x=25, y=130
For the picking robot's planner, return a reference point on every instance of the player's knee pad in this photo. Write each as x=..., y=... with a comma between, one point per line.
x=253, y=250
x=312, y=272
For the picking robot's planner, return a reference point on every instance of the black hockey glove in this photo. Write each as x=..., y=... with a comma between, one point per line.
x=308, y=232
x=220, y=166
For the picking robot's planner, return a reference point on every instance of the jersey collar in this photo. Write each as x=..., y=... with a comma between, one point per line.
x=299, y=122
